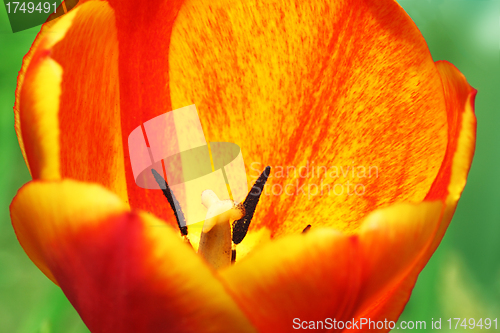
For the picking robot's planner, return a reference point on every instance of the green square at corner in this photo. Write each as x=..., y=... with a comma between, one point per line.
x=28, y=14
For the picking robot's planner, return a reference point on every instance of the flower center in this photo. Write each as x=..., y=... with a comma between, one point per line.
x=216, y=237
x=226, y=222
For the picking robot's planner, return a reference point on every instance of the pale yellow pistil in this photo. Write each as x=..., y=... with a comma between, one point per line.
x=215, y=241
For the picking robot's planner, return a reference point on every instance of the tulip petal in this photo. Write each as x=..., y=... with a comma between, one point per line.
x=448, y=186
x=312, y=276
x=41, y=101
x=87, y=129
x=328, y=274
x=460, y=97
x=37, y=126
x=39, y=221
x=122, y=271
x=394, y=243
x=346, y=87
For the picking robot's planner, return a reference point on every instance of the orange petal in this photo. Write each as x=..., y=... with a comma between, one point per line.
x=448, y=185
x=123, y=272
x=327, y=274
x=87, y=128
x=315, y=84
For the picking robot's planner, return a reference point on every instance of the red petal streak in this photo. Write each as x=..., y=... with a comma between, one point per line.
x=144, y=31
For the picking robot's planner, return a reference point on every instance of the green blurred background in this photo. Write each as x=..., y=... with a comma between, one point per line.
x=461, y=280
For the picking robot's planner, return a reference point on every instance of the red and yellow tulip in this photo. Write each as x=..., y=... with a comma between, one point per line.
x=290, y=82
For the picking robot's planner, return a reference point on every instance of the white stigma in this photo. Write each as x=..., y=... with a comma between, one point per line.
x=215, y=242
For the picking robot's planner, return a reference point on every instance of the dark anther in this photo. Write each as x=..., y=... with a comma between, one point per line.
x=240, y=227
x=306, y=229
x=179, y=215
x=233, y=256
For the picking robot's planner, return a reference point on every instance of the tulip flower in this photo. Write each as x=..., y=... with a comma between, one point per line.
x=345, y=84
